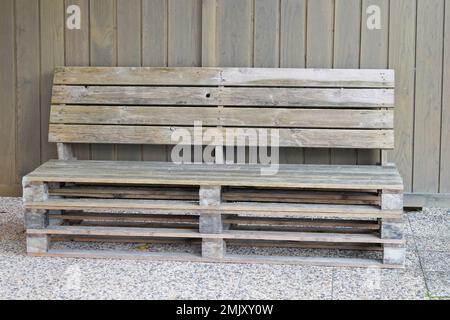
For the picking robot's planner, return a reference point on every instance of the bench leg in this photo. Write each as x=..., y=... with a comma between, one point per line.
x=35, y=191
x=394, y=254
x=37, y=243
x=213, y=248
x=36, y=219
x=211, y=222
x=393, y=229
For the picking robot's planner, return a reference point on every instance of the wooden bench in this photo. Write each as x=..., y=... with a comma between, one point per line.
x=332, y=207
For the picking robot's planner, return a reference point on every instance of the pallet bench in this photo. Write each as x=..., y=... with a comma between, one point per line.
x=355, y=207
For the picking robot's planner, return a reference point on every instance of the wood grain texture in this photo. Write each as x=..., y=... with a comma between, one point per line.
x=103, y=51
x=266, y=33
x=154, y=53
x=319, y=54
x=28, y=144
x=7, y=92
x=230, y=116
x=402, y=44
x=129, y=55
x=428, y=95
x=444, y=186
x=373, y=54
x=313, y=138
x=281, y=97
x=347, y=33
x=209, y=33
x=77, y=53
x=254, y=77
x=52, y=55
x=234, y=33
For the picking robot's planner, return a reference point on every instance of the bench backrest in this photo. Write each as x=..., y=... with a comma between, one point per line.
x=315, y=108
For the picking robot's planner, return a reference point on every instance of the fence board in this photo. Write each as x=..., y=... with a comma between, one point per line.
x=28, y=144
x=77, y=54
x=402, y=44
x=320, y=21
x=154, y=53
x=430, y=19
x=7, y=92
x=52, y=55
x=129, y=55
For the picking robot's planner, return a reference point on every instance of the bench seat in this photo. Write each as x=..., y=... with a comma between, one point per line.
x=288, y=175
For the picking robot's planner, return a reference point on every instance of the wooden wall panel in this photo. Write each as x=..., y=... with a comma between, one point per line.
x=444, y=180
x=427, y=124
x=402, y=44
x=7, y=94
x=154, y=54
x=413, y=39
x=319, y=54
x=292, y=54
x=77, y=47
x=103, y=53
x=28, y=144
x=52, y=55
x=129, y=55
x=373, y=55
x=347, y=35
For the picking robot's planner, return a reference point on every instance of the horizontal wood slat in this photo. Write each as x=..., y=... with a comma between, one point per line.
x=326, y=138
x=125, y=172
x=279, y=77
x=213, y=116
x=273, y=97
x=227, y=234
x=249, y=208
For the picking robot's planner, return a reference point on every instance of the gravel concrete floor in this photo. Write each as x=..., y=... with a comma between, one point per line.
x=426, y=276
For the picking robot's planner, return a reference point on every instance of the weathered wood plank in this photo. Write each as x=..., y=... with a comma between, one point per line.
x=77, y=53
x=209, y=33
x=427, y=123
x=226, y=234
x=313, y=138
x=129, y=54
x=251, y=117
x=28, y=144
x=255, y=77
x=52, y=54
x=266, y=34
x=445, y=146
x=8, y=94
x=373, y=54
x=250, y=209
x=319, y=54
x=346, y=55
x=103, y=52
x=402, y=45
x=298, y=97
x=154, y=54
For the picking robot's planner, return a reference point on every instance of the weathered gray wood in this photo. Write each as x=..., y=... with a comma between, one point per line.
x=8, y=160
x=230, y=116
x=36, y=218
x=65, y=151
x=282, y=97
x=210, y=223
x=394, y=254
x=391, y=201
x=313, y=138
x=250, y=209
x=210, y=195
x=213, y=248
x=392, y=228
x=37, y=243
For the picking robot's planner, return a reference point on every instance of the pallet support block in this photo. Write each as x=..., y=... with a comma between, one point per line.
x=392, y=228
x=38, y=243
x=211, y=222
